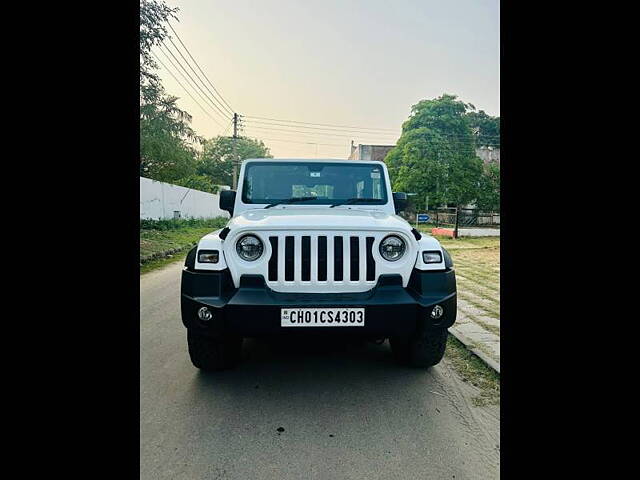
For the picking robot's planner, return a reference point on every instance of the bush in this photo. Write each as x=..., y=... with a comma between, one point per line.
x=180, y=223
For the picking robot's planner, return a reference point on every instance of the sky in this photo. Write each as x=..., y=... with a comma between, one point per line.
x=355, y=63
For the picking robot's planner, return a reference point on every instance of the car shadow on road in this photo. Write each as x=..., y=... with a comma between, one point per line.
x=305, y=370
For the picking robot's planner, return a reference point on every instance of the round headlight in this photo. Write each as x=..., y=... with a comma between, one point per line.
x=249, y=248
x=392, y=248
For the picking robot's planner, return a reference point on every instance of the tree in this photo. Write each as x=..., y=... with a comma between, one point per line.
x=199, y=182
x=167, y=141
x=216, y=159
x=488, y=128
x=435, y=154
x=489, y=190
x=154, y=14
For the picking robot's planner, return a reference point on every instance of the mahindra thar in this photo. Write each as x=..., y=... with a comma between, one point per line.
x=316, y=247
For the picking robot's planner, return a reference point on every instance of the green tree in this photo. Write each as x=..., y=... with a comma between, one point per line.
x=167, y=141
x=203, y=183
x=489, y=189
x=435, y=154
x=154, y=14
x=488, y=128
x=218, y=153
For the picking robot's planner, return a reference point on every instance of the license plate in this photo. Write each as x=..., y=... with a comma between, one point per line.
x=322, y=317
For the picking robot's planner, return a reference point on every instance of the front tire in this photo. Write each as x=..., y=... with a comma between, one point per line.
x=423, y=349
x=213, y=354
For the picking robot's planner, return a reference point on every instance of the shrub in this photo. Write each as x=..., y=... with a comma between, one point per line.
x=180, y=223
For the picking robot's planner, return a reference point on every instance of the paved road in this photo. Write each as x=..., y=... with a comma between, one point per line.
x=347, y=410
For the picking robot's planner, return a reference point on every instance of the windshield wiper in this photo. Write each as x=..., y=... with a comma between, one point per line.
x=290, y=200
x=351, y=201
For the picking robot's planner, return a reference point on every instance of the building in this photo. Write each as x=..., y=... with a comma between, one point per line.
x=378, y=152
x=369, y=152
x=489, y=154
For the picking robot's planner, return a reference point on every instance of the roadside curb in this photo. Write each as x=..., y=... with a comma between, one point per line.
x=466, y=341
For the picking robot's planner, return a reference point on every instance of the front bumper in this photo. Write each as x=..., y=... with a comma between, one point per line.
x=254, y=308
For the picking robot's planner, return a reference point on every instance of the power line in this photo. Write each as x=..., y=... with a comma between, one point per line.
x=204, y=74
x=188, y=81
x=227, y=129
x=314, y=128
x=183, y=87
x=355, y=137
x=205, y=97
x=306, y=143
x=227, y=111
x=305, y=133
x=320, y=124
x=253, y=122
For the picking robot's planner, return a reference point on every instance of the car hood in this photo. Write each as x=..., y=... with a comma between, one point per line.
x=321, y=218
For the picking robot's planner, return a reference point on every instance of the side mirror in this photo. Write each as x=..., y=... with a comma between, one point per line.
x=400, y=200
x=227, y=200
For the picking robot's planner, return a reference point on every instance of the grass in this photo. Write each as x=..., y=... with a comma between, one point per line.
x=474, y=371
x=477, y=264
x=166, y=241
x=161, y=262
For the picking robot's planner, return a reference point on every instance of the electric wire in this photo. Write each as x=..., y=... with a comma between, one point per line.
x=205, y=97
x=204, y=74
x=187, y=91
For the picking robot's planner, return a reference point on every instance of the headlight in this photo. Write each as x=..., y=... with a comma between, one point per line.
x=392, y=248
x=249, y=248
x=208, y=256
x=432, y=257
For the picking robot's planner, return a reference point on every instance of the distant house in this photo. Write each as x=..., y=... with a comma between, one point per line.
x=378, y=152
x=369, y=152
x=489, y=154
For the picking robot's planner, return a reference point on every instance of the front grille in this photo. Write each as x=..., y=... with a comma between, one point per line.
x=321, y=258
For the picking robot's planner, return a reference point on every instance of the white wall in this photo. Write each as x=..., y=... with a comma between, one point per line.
x=159, y=200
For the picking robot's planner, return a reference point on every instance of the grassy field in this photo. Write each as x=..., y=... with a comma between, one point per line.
x=474, y=371
x=477, y=264
x=166, y=241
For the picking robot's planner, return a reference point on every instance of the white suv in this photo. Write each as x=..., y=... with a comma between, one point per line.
x=316, y=246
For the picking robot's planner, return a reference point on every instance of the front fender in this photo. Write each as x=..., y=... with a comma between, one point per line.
x=212, y=241
x=428, y=243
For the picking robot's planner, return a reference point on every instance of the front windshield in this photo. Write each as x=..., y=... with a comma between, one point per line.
x=327, y=183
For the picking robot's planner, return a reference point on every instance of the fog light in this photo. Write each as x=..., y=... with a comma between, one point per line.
x=205, y=314
x=437, y=312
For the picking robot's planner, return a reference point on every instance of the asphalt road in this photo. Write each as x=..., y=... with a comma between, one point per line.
x=347, y=410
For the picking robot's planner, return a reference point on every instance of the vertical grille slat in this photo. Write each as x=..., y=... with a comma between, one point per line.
x=346, y=256
x=273, y=261
x=297, y=257
x=322, y=259
x=306, y=259
x=362, y=259
x=337, y=259
x=288, y=259
x=330, y=256
x=371, y=264
x=354, y=253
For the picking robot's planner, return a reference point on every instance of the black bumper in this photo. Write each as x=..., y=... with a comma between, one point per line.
x=254, y=308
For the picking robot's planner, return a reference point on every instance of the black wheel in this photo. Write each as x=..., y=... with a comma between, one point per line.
x=424, y=349
x=211, y=354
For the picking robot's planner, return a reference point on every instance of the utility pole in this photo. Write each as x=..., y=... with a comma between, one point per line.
x=235, y=158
